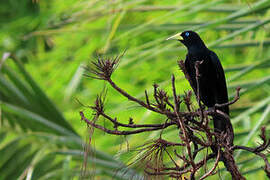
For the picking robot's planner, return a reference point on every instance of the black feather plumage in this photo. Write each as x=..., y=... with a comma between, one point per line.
x=212, y=83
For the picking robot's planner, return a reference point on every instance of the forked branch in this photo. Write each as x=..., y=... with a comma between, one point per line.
x=195, y=134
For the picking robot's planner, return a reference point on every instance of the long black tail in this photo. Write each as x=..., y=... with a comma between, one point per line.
x=223, y=125
x=220, y=123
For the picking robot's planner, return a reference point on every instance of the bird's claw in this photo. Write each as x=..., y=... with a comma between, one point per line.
x=212, y=109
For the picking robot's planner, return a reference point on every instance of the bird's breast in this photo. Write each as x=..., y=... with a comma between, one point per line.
x=193, y=57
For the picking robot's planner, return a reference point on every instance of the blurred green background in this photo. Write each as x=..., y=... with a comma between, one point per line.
x=45, y=44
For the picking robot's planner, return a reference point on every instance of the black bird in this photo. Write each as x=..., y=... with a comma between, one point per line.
x=212, y=83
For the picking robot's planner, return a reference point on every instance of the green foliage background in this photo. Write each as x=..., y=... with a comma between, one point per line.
x=41, y=135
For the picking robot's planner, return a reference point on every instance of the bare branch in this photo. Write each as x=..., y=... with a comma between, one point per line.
x=136, y=125
x=181, y=123
x=236, y=98
x=147, y=99
x=131, y=98
x=209, y=173
x=198, y=96
x=260, y=148
x=116, y=132
x=194, y=131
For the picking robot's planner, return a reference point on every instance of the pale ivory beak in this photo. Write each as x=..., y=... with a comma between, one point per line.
x=176, y=36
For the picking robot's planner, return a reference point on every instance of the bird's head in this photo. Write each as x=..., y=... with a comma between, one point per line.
x=189, y=39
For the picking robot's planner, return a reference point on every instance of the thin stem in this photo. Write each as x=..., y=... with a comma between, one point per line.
x=181, y=123
x=124, y=93
x=209, y=173
x=116, y=132
x=135, y=125
x=236, y=98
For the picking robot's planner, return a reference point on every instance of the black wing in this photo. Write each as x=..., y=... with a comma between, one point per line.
x=191, y=72
x=221, y=87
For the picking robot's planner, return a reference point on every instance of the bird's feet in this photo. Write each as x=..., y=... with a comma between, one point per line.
x=212, y=109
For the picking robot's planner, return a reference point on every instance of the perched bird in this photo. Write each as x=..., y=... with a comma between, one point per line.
x=212, y=83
